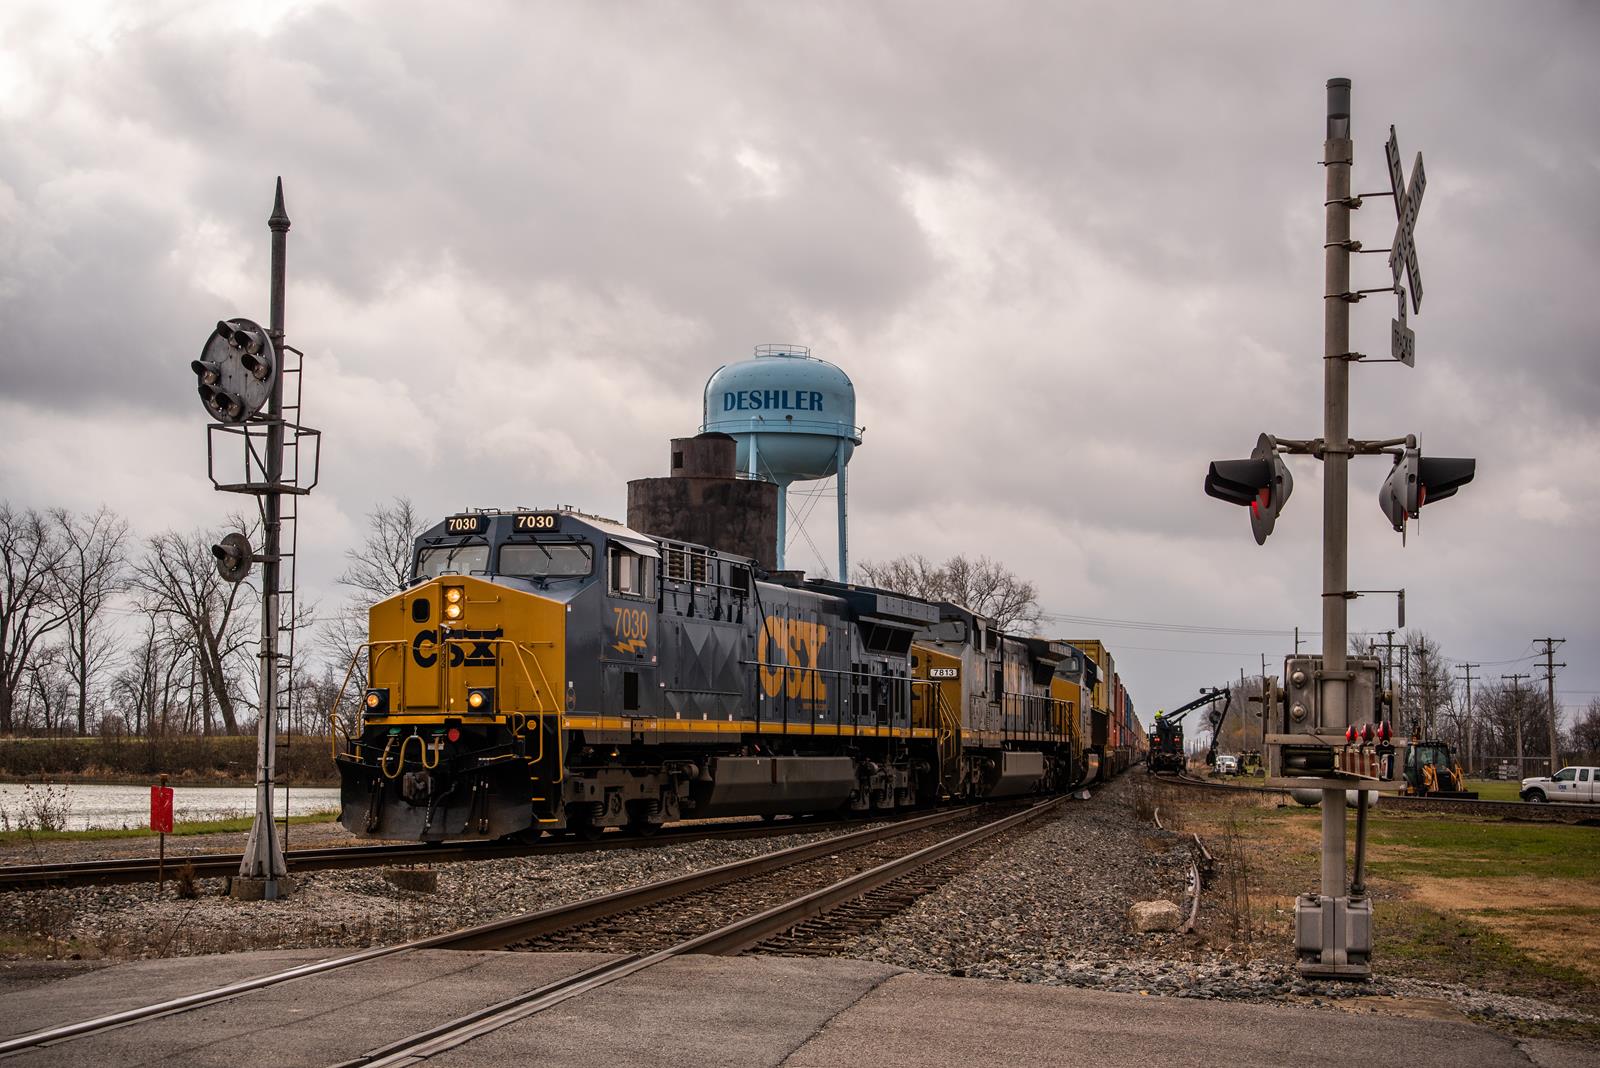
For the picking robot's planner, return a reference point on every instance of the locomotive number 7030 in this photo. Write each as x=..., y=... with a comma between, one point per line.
x=536, y=521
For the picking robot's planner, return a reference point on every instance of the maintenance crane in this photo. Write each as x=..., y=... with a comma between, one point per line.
x=1166, y=740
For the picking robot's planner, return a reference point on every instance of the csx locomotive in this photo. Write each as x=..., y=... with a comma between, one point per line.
x=556, y=671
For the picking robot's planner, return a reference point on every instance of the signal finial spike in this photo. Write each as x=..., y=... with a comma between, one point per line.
x=279, y=219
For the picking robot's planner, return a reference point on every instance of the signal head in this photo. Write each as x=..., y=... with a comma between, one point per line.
x=1417, y=480
x=1262, y=483
x=234, y=557
x=236, y=371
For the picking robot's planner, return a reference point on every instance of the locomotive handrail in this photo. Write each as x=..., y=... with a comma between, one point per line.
x=333, y=713
x=852, y=675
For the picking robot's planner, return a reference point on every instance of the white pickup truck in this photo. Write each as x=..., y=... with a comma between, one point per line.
x=1568, y=784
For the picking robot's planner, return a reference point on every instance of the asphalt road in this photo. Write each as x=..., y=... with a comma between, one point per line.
x=722, y=1011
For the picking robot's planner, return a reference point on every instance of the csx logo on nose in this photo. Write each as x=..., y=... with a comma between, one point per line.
x=787, y=646
x=480, y=655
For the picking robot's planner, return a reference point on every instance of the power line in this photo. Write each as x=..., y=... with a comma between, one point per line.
x=1169, y=628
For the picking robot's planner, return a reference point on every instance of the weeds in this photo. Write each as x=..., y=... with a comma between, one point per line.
x=41, y=808
x=1235, y=896
x=188, y=888
x=1144, y=800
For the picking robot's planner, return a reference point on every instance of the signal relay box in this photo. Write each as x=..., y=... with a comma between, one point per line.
x=1307, y=744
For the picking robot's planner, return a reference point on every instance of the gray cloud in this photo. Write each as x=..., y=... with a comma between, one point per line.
x=1067, y=253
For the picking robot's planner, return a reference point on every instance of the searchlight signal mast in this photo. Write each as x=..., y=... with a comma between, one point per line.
x=250, y=383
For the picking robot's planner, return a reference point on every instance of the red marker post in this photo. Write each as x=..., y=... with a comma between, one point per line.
x=161, y=823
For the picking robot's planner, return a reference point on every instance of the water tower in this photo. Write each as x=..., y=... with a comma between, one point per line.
x=794, y=419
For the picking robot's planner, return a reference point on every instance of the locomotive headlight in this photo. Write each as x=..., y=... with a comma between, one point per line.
x=480, y=698
x=452, y=611
x=377, y=699
x=453, y=595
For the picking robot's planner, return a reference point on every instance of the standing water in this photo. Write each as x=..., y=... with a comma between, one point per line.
x=84, y=807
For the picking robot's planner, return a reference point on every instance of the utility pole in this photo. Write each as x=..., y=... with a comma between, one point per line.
x=1296, y=642
x=1405, y=686
x=1467, y=762
x=1516, y=714
x=1550, y=688
x=1388, y=646
x=1426, y=687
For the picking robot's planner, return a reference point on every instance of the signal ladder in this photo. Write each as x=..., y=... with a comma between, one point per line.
x=289, y=495
x=296, y=476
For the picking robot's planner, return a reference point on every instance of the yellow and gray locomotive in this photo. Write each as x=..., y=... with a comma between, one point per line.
x=551, y=670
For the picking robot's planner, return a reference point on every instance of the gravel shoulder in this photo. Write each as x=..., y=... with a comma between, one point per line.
x=1051, y=907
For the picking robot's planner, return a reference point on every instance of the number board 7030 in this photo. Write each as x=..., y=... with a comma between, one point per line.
x=475, y=523
x=535, y=521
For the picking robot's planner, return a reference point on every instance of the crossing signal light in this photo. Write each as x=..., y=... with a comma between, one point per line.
x=1441, y=476
x=1261, y=483
x=1416, y=480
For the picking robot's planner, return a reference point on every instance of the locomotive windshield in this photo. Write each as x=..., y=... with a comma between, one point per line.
x=464, y=559
x=534, y=560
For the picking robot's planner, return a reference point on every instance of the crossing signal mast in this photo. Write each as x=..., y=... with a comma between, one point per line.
x=251, y=388
x=1325, y=728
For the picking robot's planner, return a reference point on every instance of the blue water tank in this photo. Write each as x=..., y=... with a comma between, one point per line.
x=794, y=409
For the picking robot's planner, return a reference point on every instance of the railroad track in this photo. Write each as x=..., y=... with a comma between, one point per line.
x=214, y=865
x=1480, y=809
x=747, y=917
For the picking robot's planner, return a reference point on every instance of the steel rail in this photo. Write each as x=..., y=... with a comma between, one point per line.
x=211, y=865
x=725, y=941
x=497, y=933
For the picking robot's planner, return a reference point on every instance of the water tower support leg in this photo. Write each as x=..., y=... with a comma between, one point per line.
x=783, y=521
x=844, y=543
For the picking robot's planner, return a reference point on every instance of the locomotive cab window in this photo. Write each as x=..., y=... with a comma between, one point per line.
x=466, y=559
x=629, y=574
x=538, y=560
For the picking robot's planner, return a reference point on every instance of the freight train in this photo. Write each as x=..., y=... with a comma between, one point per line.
x=555, y=671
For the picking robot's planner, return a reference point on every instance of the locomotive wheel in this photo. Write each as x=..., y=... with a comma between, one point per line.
x=581, y=822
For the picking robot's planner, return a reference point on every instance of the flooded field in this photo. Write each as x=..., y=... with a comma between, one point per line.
x=84, y=807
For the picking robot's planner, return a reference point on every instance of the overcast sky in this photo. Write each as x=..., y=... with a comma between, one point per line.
x=1068, y=253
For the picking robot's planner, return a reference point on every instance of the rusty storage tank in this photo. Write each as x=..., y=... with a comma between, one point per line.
x=704, y=501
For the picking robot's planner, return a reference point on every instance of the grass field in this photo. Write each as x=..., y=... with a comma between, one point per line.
x=1495, y=789
x=233, y=823
x=1506, y=906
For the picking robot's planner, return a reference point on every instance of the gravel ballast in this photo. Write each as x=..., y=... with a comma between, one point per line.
x=1049, y=905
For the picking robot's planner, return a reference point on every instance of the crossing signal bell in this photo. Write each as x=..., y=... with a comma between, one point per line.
x=236, y=371
x=1416, y=480
x=1261, y=483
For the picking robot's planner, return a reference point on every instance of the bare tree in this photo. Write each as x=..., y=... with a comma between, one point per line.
x=177, y=576
x=47, y=693
x=378, y=568
x=91, y=573
x=381, y=565
x=1584, y=738
x=31, y=553
x=982, y=585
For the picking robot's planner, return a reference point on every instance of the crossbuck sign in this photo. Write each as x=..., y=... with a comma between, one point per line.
x=1403, y=249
